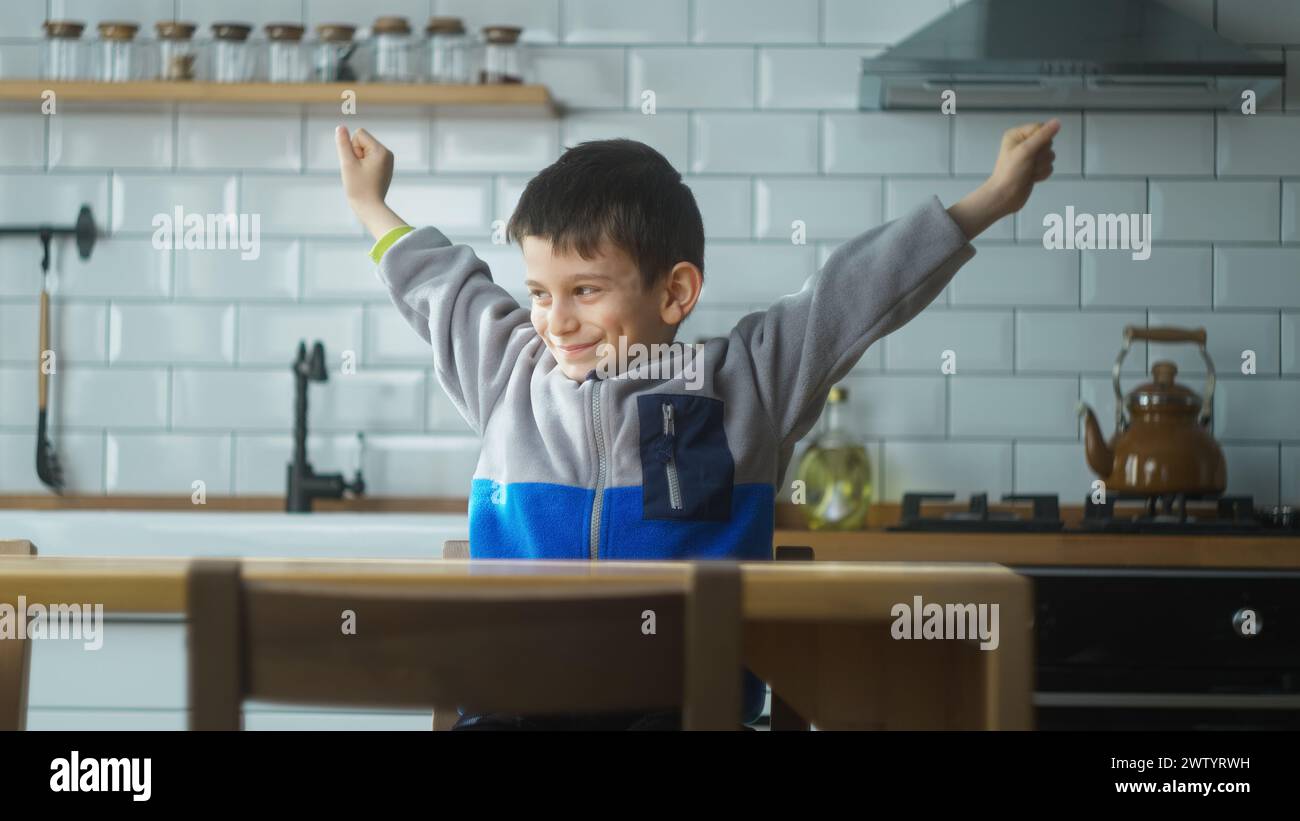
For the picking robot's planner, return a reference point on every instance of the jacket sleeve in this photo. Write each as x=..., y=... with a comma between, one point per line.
x=477, y=329
x=871, y=285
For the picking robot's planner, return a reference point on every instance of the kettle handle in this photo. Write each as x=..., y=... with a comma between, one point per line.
x=1193, y=335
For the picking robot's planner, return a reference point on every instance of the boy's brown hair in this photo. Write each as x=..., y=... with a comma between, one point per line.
x=621, y=190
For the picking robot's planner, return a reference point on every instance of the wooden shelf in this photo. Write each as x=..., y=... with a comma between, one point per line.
x=399, y=94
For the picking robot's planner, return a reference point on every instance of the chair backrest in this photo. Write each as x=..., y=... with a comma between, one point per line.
x=455, y=549
x=486, y=647
x=15, y=658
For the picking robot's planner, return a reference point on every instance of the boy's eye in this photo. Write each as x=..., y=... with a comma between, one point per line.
x=537, y=295
x=586, y=290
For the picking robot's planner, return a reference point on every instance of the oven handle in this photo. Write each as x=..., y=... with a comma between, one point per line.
x=1172, y=701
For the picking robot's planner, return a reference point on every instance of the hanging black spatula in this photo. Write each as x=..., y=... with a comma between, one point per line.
x=48, y=468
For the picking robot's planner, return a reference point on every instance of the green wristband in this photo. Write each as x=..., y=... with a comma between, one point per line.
x=386, y=241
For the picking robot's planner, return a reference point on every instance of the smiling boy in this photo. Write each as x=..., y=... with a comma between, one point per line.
x=577, y=464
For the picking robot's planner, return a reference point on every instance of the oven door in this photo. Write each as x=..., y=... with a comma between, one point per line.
x=1167, y=648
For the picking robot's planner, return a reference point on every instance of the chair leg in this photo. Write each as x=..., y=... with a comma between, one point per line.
x=215, y=660
x=15, y=659
x=713, y=648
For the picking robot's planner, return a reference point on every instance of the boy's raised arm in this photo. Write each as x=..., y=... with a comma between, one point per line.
x=877, y=281
x=443, y=290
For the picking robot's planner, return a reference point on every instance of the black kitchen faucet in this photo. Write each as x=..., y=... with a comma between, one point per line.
x=304, y=483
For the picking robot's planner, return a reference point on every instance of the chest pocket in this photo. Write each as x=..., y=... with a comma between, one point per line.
x=686, y=467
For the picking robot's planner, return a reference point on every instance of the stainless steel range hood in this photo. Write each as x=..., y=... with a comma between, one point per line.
x=1077, y=54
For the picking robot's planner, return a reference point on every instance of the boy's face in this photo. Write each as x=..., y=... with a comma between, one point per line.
x=577, y=304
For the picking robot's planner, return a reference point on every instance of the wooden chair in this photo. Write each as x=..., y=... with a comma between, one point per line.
x=15, y=659
x=519, y=649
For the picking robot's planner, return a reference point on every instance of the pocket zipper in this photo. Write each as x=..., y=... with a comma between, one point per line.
x=674, y=488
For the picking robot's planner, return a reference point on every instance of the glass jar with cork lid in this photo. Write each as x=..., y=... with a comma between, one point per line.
x=176, y=50
x=285, y=61
x=447, y=50
x=502, y=59
x=64, y=54
x=335, y=52
x=394, y=51
x=233, y=58
x=118, y=58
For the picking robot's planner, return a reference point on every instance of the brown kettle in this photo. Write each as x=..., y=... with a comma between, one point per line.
x=1162, y=445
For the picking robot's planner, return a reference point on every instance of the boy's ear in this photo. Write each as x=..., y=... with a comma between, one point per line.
x=681, y=290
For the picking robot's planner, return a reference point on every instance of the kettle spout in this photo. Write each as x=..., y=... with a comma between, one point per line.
x=1100, y=456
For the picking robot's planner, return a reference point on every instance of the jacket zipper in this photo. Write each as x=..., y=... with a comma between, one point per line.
x=593, y=547
x=674, y=487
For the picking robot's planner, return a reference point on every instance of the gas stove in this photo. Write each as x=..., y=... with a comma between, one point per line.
x=1119, y=514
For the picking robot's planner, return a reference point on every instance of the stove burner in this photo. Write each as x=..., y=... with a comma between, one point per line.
x=1120, y=514
x=1046, y=515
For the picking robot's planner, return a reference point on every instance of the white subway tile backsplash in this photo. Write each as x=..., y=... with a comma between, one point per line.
x=118, y=397
x=456, y=205
x=666, y=132
x=1214, y=211
x=269, y=335
x=81, y=456
x=1069, y=341
x=957, y=467
x=1253, y=470
x=1259, y=21
x=146, y=203
x=168, y=463
x=158, y=333
x=903, y=195
x=54, y=198
x=624, y=21
x=1256, y=277
x=1053, y=467
x=1255, y=408
x=506, y=266
x=211, y=137
x=828, y=208
x=1228, y=336
x=484, y=142
x=340, y=269
x=977, y=138
x=18, y=396
x=1290, y=211
x=76, y=333
x=310, y=206
x=272, y=274
x=1175, y=277
x=693, y=77
x=372, y=399
x=255, y=12
x=709, y=321
x=897, y=405
x=972, y=341
x=885, y=142
x=441, y=466
x=726, y=206
x=1012, y=407
x=1085, y=196
x=1263, y=145
x=390, y=341
x=23, y=135
x=1290, y=343
x=1017, y=275
x=1292, y=81
x=120, y=267
x=1149, y=144
x=316, y=12
x=23, y=18
x=442, y=414
x=112, y=138
x=754, y=21
x=754, y=143
x=404, y=134
x=243, y=399
x=1202, y=11
x=580, y=77
x=852, y=21
x=823, y=77
x=540, y=19
x=747, y=273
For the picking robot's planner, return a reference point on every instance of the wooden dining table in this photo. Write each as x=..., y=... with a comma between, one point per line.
x=818, y=633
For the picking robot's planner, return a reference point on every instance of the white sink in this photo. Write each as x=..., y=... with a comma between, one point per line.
x=201, y=533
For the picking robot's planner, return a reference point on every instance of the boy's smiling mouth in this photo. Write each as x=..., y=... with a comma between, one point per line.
x=575, y=350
